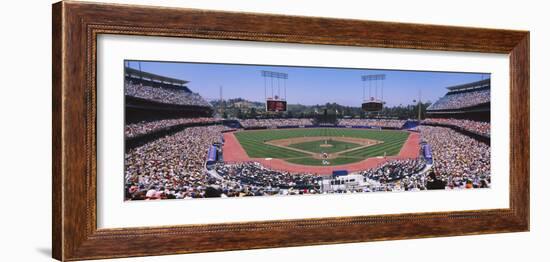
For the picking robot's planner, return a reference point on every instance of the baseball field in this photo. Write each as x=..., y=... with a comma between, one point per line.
x=321, y=146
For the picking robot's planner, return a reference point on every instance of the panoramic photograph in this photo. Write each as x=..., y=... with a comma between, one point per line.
x=206, y=130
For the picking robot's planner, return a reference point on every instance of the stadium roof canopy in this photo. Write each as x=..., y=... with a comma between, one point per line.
x=134, y=73
x=472, y=85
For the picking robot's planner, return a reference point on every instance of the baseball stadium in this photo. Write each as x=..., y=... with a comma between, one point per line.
x=187, y=140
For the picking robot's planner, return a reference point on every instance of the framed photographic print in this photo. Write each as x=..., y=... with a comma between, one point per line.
x=182, y=130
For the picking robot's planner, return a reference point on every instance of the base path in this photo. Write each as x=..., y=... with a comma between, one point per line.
x=232, y=149
x=411, y=147
x=234, y=153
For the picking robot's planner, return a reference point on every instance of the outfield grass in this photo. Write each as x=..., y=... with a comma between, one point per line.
x=253, y=142
x=315, y=146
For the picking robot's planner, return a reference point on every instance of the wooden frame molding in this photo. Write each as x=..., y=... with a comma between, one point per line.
x=76, y=26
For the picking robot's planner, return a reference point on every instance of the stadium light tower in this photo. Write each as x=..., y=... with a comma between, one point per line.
x=419, y=103
x=376, y=102
x=221, y=101
x=275, y=102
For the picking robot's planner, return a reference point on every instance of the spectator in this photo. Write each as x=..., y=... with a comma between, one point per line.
x=277, y=122
x=459, y=160
x=164, y=95
x=388, y=123
x=482, y=128
x=172, y=165
x=457, y=100
x=142, y=128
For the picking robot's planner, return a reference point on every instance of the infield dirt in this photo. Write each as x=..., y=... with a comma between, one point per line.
x=285, y=143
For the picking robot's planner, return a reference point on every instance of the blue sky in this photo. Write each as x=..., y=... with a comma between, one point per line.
x=309, y=85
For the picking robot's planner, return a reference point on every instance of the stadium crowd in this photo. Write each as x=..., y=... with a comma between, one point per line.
x=388, y=123
x=278, y=122
x=141, y=128
x=397, y=175
x=460, y=161
x=252, y=178
x=482, y=128
x=172, y=166
x=462, y=100
x=164, y=95
x=395, y=169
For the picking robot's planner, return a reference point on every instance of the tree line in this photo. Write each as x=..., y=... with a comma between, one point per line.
x=243, y=109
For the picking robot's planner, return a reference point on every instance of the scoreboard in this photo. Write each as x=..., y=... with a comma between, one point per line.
x=372, y=106
x=276, y=106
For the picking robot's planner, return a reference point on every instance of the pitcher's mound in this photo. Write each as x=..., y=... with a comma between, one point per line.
x=326, y=145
